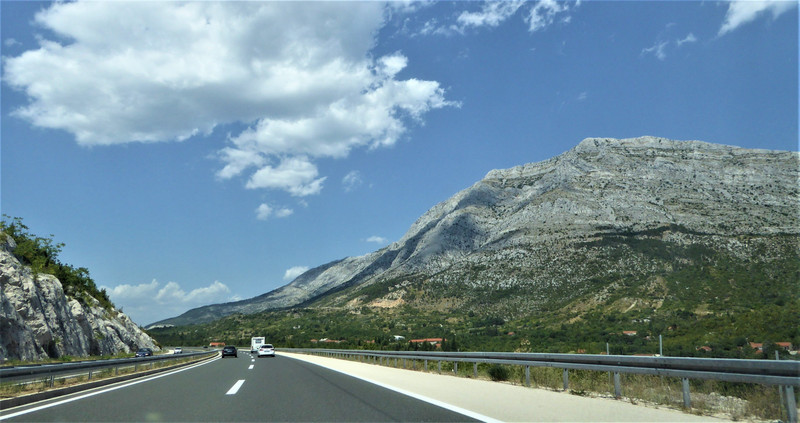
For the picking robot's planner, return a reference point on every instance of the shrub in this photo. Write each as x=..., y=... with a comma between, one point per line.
x=498, y=372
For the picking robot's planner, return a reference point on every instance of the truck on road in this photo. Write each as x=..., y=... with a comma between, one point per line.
x=256, y=342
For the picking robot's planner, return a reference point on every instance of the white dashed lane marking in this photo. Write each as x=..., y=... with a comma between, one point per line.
x=235, y=388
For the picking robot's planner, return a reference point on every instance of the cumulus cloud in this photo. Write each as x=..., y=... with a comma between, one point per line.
x=300, y=76
x=265, y=211
x=150, y=302
x=293, y=272
x=742, y=12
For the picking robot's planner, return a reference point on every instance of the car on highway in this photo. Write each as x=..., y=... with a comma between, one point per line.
x=266, y=350
x=144, y=352
x=229, y=350
x=177, y=350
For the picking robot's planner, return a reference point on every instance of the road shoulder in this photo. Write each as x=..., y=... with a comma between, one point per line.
x=502, y=401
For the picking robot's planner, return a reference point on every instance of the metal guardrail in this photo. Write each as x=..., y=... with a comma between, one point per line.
x=40, y=372
x=783, y=373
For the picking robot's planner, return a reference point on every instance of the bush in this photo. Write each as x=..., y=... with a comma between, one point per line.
x=498, y=372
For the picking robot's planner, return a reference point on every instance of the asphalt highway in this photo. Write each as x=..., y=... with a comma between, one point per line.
x=239, y=389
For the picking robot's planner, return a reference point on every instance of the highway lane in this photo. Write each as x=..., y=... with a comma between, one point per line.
x=273, y=389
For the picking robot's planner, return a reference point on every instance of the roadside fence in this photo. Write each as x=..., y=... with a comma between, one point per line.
x=782, y=373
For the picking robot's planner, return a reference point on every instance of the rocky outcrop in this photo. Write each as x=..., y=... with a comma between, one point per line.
x=515, y=223
x=37, y=320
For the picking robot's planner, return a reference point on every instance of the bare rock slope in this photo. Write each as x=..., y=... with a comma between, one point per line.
x=514, y=225
x=37, y=320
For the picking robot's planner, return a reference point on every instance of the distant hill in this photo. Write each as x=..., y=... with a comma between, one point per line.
x=631, y=224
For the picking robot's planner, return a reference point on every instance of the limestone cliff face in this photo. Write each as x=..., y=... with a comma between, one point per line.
x=519, y=226
x=37, y=320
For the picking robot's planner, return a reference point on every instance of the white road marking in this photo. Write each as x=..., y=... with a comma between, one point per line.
x=235, y=388
x=251, y=367
x=103, y=390
x=442, y=404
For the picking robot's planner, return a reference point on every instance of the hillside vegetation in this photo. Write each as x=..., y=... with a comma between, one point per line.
x=692, y=295
x=41, y=254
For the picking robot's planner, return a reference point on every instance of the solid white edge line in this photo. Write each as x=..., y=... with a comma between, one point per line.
x=429, y=400
x=100, y=390
x=235, y=388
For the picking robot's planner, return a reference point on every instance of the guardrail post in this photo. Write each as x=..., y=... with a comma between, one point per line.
x=527, y=375
x=687, y=400
x=413, y=364
x=426, y=365
x=791, y=404
x=566, y=379
x=617, y=388
x=395, y=362
x=52, y=380
x=455, y=367
x=90, y=375
x=440, y=366
x=404, y=363
x=475, y=369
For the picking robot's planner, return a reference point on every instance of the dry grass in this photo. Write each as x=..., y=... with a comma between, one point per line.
x=736, y=401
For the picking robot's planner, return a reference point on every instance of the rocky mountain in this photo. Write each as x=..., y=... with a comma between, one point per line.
x=37, y=319
x=540, y=235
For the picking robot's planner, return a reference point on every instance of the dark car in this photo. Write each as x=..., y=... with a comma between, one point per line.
x=229, y=350
x=144, y=352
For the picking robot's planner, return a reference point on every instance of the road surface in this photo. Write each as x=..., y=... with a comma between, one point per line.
x=240, y=389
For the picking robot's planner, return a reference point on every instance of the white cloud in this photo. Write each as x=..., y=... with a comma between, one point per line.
x=543, y=13
x=265, y=211
x=583, y=96
x=150, y=302
x=377, y=239
x=742, y=12
x=294, y=272
x=296, y=175
x=352, y=181
x=658, y=50
x=10, y=42
x=690, y=38
x=299, y=75
x=493, y=13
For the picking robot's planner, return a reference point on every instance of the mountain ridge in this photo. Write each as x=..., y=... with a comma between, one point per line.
x=601, y=187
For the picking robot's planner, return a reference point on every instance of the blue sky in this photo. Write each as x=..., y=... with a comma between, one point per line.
x=197, y=153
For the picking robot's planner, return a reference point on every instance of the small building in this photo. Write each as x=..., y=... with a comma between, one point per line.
x=432, y=341
x=629, y=332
